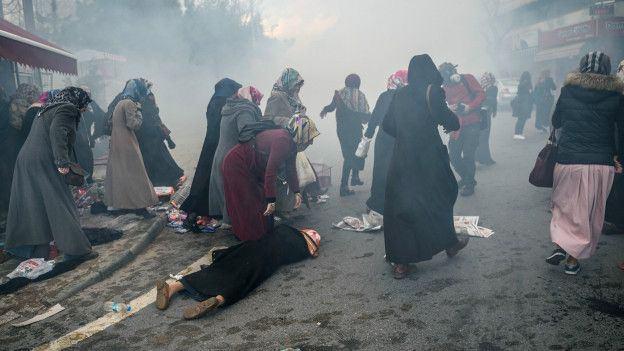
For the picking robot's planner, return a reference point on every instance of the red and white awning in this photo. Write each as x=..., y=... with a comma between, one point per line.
x=21, y=46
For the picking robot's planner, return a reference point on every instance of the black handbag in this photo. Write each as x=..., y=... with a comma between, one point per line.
x=543, y=172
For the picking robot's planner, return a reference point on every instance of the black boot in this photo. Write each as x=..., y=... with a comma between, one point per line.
x=355, y=179
x=345, y=191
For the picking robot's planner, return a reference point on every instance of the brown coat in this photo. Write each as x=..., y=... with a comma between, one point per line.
x=127, y=185
x=278, y=109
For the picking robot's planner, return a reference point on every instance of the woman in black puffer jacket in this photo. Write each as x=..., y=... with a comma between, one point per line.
x=590, y=106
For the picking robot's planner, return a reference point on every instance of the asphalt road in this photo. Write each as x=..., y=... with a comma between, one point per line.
x=497, y=294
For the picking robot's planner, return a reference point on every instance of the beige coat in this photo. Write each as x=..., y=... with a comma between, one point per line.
x=278, y=109
x=127, y=185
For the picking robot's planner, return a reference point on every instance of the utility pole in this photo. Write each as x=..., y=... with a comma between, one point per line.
x=1, y=9
x=29, y=23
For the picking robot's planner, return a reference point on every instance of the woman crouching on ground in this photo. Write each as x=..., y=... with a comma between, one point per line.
x=238, y=270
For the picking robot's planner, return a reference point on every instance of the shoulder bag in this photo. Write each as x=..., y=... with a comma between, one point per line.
x=542, y=173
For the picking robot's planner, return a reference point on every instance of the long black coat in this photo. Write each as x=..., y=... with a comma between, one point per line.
x=42, y=208
x=161, y=168
x=197, y=201
x=421, y=189
x=384, y=144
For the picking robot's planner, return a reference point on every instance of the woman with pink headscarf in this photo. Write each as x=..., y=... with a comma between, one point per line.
x=239, y=110
x=384, y=143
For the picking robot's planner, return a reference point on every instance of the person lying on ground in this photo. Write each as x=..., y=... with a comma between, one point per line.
x=238, y=270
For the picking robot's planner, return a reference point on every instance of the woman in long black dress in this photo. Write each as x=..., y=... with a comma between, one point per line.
x=351, y=112
x=161, y=168
x=383, y=142
x=196, y=204
x=239, y=269
x=421, y=188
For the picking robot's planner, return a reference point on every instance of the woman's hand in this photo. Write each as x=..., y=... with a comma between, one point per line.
x=618, y=165
x=63, y=170
x=270, y=209
x=298, y=200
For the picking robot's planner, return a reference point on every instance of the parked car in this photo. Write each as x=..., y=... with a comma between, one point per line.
x=507, y=90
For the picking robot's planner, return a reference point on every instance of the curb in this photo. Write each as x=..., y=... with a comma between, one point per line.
x=104, y=272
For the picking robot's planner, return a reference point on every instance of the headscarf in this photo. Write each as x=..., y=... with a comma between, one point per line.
x=50, y=94
x=353, y=81
x=525, y=81
x=71, y=95
x=488, y=80
x=137, y=89
x=303, y=130
x=620, y=71
x=397, y=79
x=595, y=62
x=226, y=87
x=447, y=70
x=288, y=80
x=423, y=72
x=250, y=93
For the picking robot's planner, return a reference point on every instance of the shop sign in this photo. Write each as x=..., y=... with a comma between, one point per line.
x=611, y=26
x=567, y=35
x=602, y=9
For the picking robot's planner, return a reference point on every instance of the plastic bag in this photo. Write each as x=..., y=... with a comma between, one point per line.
x=363, y=146
x=32, y=268
x=305, y=172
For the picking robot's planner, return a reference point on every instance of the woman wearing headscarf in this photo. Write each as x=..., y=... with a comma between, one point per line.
x=490, y=105
x=421, y=188
x=5, y=173
x=161, y=168
x=589, y=108
x=17, y=132
x=522, y=104
x=284, y=101
x=239, y=111
x=236, y=271
x=42, y=208
x=250, y=174
x=384, y=143
x=352, y=111
x=544, y=100
x=197, y=203
x=127, y=186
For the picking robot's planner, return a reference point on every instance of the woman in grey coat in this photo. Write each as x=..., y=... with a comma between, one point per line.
x=42, y=209
x=238, y=111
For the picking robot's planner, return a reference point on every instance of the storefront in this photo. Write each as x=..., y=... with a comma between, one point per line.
x=23, y=53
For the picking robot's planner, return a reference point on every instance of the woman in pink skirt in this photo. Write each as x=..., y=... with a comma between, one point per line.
x=590, y=106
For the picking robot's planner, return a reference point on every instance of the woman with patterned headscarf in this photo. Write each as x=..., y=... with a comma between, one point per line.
x=239, y=111
x=42, y=208
x=490, y=105
x=588, y=112
x=127, y=186
x=250, y=176
x=384, y=143
x=284, y=101
x=351, y=112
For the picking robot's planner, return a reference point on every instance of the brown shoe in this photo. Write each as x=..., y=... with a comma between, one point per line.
x=200, y=309
x=454, y=250
x=162, y=295
x=400, y=271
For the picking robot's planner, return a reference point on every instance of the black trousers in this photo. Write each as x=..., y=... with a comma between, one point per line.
x=483, y=150
x=542, y=115
x=462, y=153
x=520, y=122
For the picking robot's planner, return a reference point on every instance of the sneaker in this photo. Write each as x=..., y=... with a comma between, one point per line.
x=572, y=270
x=519, y=137
x=556, y=257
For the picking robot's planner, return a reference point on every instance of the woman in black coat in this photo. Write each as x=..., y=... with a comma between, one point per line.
x=196, y=204
x=161, y=168
x=522, y=105
x=421, y=188
x=383, y=142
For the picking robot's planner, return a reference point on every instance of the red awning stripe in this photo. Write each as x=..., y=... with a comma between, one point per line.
x=21, y=46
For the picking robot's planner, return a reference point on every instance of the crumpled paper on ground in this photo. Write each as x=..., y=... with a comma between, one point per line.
x=469, y=225
x=370, y=222
x=32, y=268
x=49, y=313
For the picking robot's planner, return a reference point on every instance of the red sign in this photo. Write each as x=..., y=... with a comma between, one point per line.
x=567, y=35
x=602, y=9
